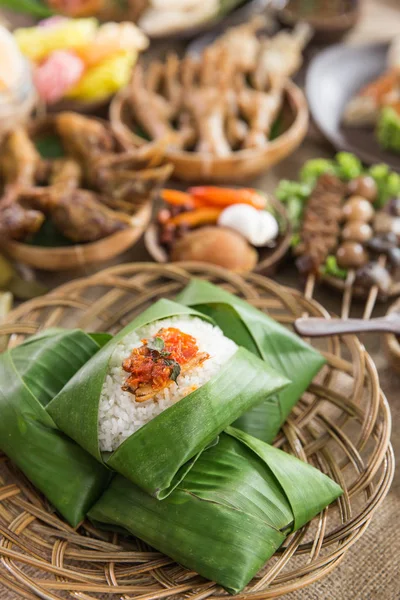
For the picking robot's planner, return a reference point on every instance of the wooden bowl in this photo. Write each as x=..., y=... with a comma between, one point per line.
x=79, y=255
x=326, y=29
x=391, y=342
x=242, y=165
x=269, y=258
x=242, y=12
x=84, y=108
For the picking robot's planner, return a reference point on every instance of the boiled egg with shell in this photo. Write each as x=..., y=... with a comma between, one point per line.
x=259, y=227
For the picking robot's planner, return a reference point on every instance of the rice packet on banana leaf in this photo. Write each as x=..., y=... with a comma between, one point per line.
x=160, y=392
x=267, y=339
x=30, y=376
x=229, y=514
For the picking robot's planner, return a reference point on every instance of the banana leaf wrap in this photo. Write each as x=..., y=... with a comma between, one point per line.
x=158, y=455
x=267, y=339
x=229, y=514
x=30, y=376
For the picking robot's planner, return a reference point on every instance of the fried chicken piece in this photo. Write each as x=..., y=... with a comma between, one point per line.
x=154, y=112
x=66, y=173
x=208, y=104
x=148, y=155
x=154, y=76
x=195, y=103
x=19, y=159
x=242, y=42
x=281, y=55
x=236, y=131
x=127, y=191
x=172, y=84
x=43, y=171
x=190, y=71
x=17, y=223
x=260, y=110
x=128, y=179
x=77, y=214
x=83, y=137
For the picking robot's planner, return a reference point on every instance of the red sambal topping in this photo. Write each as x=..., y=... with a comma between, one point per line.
x=159, y=362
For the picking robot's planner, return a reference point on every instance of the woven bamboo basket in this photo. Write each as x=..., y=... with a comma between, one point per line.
x=341, y=425
x=391, y=341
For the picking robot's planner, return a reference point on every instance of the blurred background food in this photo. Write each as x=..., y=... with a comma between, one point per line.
x=17, y=92
x=223, y=113
x=377, y=104
x=346, y=222
x=230, y=227
x=80, y=59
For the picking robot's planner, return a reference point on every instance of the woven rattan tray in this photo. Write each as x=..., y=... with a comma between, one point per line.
x=341, y=425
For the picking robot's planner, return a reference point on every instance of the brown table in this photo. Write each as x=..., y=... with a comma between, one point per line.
x=371, y=569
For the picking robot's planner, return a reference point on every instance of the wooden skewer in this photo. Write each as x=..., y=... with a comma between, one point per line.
x=348, y=294
x=373, y=292
x=316, y=327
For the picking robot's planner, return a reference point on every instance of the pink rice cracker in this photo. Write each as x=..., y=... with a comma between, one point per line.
x=58, y=74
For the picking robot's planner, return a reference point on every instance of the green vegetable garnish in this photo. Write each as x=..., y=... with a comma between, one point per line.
x=176, y=369
x=156, y=344
x=332, y=268
x=388, y=130
x=295, y=207
x=348, y=166
x=295, y=241
x=316, y=167
x=388, y=183
x=50, y=146
x=286, y=189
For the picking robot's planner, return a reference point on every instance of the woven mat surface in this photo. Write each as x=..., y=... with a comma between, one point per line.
x=371, y=570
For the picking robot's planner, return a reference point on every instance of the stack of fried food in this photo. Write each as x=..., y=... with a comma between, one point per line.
x=226, y=100
x=94, y=191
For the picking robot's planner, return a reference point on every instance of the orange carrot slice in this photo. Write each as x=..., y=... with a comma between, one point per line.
x=177, y=198
x=218, y=196
x=195, y=218
x=381, y=86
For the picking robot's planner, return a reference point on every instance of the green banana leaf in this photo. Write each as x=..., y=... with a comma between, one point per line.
x=30, y=376
x=33, y=7
x=229, y=514
x=227, y=6
x=158, y=455
x=267, y=339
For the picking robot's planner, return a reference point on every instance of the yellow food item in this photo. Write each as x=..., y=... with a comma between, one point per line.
x=106, y=78
x=112, y=38
x=38, y=42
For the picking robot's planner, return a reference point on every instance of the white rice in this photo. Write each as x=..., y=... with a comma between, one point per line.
x=120, y=415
